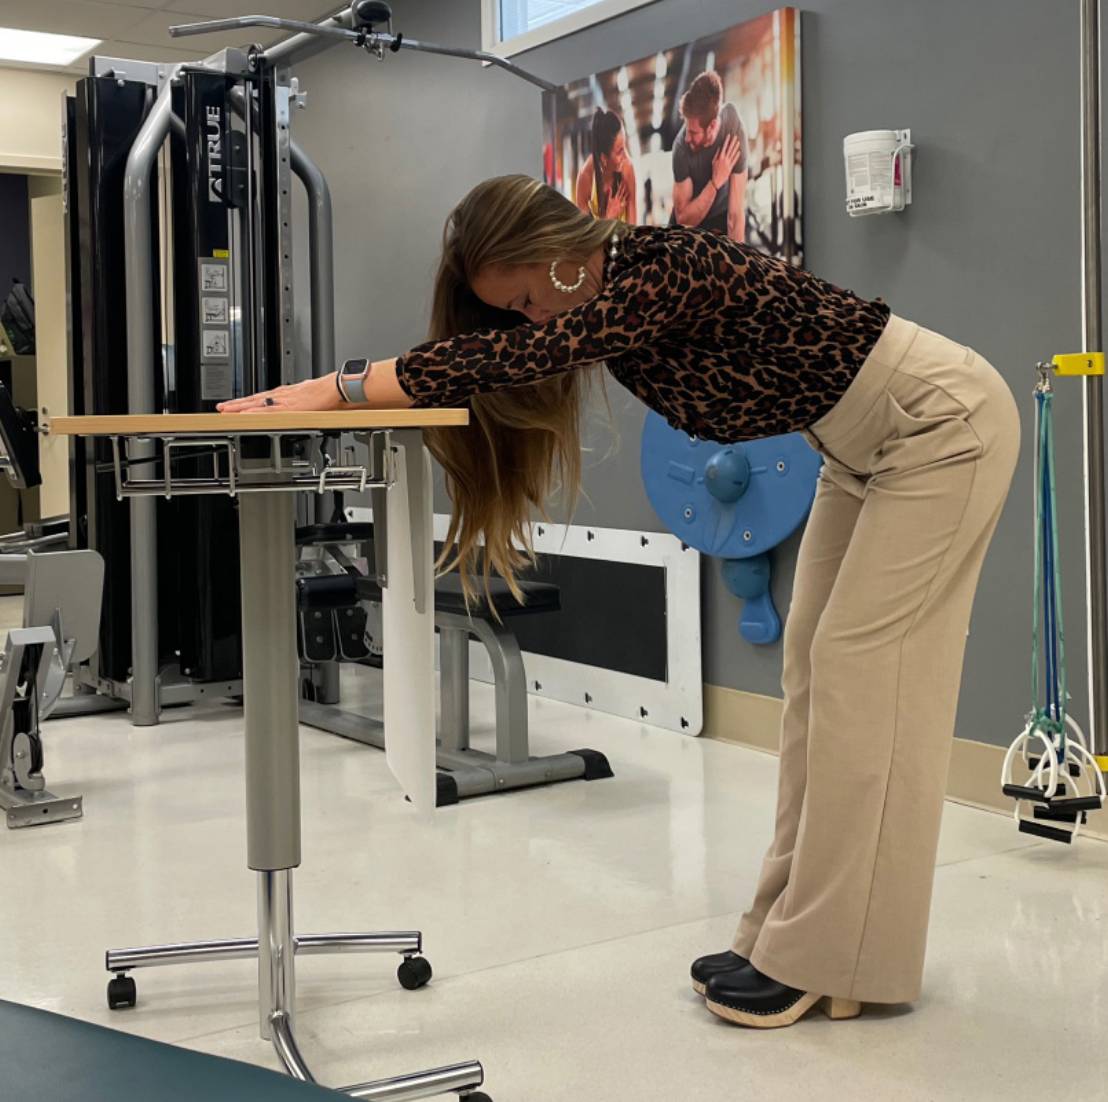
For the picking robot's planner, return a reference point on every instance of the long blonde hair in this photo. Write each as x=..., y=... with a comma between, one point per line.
x=522, y=444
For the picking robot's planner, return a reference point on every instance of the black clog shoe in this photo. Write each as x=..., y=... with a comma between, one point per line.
x=704, y=968
x=749, y=998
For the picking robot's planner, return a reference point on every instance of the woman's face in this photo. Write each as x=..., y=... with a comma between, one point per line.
x=526, y=289
x=616, y=161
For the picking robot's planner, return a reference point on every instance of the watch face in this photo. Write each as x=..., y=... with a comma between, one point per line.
x=354, y=367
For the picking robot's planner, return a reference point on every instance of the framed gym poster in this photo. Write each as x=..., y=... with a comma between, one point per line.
x=703, y=134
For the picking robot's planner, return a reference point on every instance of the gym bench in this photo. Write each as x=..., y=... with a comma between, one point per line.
x=333, y=621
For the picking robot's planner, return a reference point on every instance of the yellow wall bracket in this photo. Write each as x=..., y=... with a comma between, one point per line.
x=1102, y=762
x=1079, y=363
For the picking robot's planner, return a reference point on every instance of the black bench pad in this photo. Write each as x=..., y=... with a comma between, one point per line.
x=540, y=597
x=316, y=534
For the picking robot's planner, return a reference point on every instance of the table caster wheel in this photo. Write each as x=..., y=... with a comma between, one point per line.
x=121, y=992
x=477, y=1096
x=414, y=973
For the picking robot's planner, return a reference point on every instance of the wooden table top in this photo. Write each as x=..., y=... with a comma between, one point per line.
x=227, y=424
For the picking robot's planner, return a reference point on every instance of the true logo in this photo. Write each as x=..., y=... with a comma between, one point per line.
x=215, y=154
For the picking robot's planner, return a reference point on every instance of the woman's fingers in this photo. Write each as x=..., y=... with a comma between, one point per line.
x=235, y=405
x=252, y=403
x=312, y=394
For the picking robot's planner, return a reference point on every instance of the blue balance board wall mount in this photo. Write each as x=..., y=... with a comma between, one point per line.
x=735, y=502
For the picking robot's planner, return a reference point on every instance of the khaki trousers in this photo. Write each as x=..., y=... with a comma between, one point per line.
x=920, y=453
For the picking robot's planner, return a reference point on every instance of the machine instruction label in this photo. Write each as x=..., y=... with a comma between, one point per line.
x=214, y=311
x=213, y=275
x=216, y=372
x=215, y=382
x=216, y=345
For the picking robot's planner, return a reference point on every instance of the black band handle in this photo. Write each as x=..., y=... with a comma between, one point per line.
x=1042, y=831
x=1025, y=792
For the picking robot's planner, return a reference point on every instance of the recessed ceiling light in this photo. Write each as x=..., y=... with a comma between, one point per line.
x=40, y=48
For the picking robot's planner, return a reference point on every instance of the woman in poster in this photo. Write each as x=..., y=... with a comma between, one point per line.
x=608, y=191
x=920, y=437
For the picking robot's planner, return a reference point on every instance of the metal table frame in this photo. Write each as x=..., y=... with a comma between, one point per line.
x=270, y=679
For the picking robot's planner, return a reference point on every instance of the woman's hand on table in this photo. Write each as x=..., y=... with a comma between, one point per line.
x=312, y=394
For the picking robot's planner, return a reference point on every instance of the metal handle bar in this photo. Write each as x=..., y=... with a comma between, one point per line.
x=370, y=39
x=242, y=22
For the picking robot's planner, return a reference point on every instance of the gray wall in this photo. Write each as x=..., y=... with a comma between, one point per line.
x=988, y=254
x=15, y=232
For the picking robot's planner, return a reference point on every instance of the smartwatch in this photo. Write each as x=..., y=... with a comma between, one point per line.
x=350, y=379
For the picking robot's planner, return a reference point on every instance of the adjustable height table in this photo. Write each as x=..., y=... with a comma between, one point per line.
x=264, y=459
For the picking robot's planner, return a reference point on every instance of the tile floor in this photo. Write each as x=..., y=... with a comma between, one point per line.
x=560, y=923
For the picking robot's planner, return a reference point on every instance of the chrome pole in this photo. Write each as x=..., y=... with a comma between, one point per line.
x=276, y=949
x=138, y=280
x=1095, y=563
x=321, y=262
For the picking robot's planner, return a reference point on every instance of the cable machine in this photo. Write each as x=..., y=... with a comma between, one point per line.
x=178, y=181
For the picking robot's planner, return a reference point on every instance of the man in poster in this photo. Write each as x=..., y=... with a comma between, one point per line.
x=709, y=161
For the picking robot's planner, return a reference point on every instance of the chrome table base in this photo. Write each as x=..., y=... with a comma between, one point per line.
x=276, y=950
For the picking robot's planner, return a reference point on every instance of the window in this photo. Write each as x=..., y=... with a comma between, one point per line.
x=512, y=26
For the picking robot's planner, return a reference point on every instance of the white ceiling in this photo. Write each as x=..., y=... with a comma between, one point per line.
x=139, y=29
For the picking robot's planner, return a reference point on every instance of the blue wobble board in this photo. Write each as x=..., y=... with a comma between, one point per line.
x=776, y=499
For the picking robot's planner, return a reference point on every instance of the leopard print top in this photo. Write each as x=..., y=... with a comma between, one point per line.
x=723, y=341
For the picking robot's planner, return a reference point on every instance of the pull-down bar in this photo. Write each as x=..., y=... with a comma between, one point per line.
x=337, y=28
